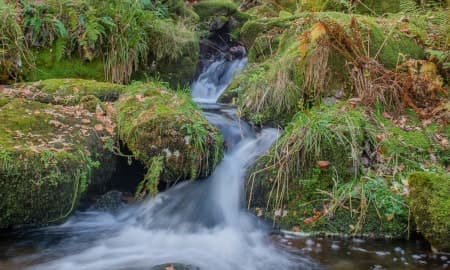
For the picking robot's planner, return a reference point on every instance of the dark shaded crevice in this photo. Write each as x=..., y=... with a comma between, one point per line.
x=129, y=172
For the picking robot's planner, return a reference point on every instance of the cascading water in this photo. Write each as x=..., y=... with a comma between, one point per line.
x=213, y=81
x=198, y=225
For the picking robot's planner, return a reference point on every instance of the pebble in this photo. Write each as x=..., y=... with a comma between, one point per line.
x=416, y=257
x=399, y=250
x=444, y=258
x=335, y=247
x=382, y=253
x=358, y=240
x=309, y=242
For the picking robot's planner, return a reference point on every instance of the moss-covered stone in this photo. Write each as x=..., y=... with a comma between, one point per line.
x=71, y=90
x=66, y=91
x=338, y=170
x=298, y=66
x=168, y=134
x=209, y=8
x=430, y=205
x=49, y=157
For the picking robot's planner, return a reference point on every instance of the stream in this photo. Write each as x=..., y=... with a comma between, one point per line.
x=202, y=224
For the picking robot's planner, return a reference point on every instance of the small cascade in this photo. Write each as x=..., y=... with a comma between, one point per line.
x=195, y=225
x=215, y=79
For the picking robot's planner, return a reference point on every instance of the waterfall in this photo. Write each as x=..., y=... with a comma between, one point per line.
x=194, y=225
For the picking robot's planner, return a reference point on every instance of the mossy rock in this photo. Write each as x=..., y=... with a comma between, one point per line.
x=70, y=91
x=289, y=54
x=321, y=171
x=430, y=205
x=273, y=8
x=213, y=8
x=50, y=155
x=219, y=15
x=168, y=134
x=409, y=147
x=369, y=7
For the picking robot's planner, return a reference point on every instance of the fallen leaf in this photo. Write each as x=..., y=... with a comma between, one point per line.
x=99, y=127
x=308, y=220
x=387, y=115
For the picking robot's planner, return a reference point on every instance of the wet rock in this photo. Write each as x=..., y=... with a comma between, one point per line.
x=112, y=200
x=49, y=159
x=167, y=133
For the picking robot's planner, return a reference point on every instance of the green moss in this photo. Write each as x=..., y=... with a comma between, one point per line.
x=395, y=46
x=364, y=206
x=71, y=90
x=3, y=101
x=254, y=28
x=154, y=122
x=48, y=154
x=291, y=53
x=370, y=7
x=208, y=8
x=379, y=7
x=91, y=103
x=409, y=148
x=430, y=204
x=344, y=197
x=48, y=66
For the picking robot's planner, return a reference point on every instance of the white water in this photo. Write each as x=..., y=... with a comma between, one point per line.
x=215, y=79
x=200, y=224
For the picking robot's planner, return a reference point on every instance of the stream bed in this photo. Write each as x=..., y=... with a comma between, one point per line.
x=202, y=224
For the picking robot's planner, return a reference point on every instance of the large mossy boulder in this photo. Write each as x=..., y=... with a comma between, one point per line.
x=430, y=205
x=342, y=169
x=167, y=132
x=50, y=155
x=71, y=91
x=297, y=61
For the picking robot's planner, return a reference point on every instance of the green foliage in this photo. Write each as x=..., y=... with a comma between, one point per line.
x=48, y=66
x=430, y=205
x=118, y=36
x=364, y=206
x=301, y=62
x=323, y=134
x=13, y=49
x=149, y=185
x=362, y=186
x=42, y=25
